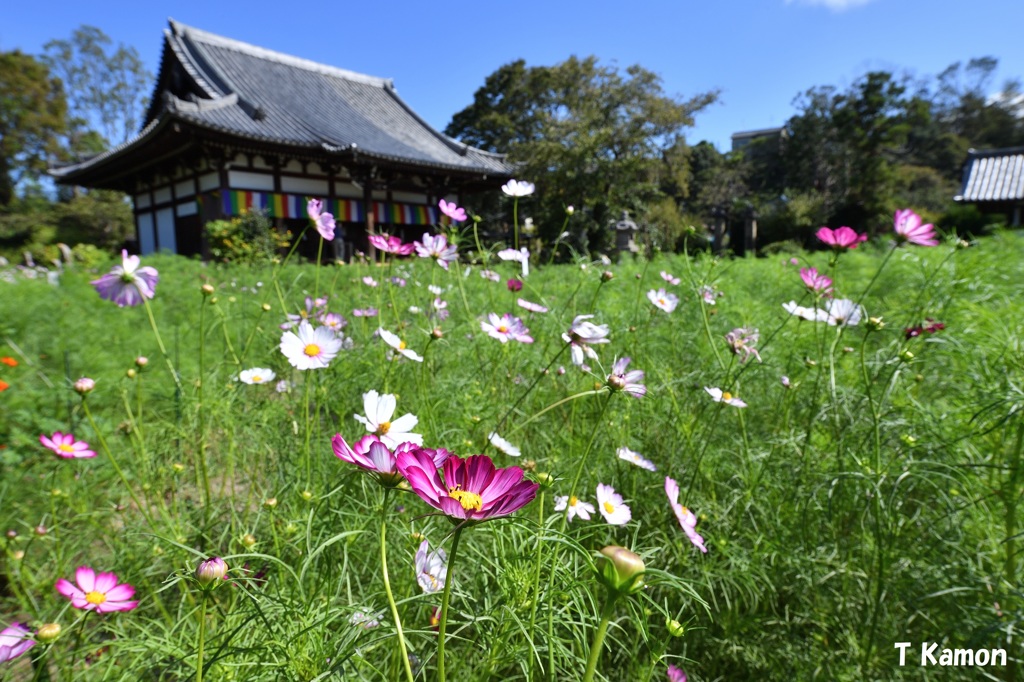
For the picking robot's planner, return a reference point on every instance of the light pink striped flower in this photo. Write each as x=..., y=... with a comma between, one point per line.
x=452, y=211
x=324, y=222
x=686, y=518
x=506, y=328
x=908, y=227
x=532, y=307
x=391, y=244
x=15, y=640
x=438, y=248
x=816, y=282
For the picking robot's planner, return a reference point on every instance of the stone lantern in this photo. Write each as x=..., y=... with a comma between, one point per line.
x=625, y=232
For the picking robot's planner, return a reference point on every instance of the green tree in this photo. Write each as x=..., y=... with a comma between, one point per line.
x=32, y=117
x=590, y=136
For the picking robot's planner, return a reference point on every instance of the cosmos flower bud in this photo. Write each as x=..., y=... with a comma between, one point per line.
x=270, y=502
x=130, y=373
x=810, y=362
x=306, y=495
x=569, y=210
x=620, y=570
x=84, y=385
x=906, y=355
x=207, y=289
x=675, y=628
x=607, y=276
x=875, y=324
x=11, y=534
x=963, y=244
x=544, y=478
x=266, y=307
x=178, y=467
x=248, y=540
x=141, y=361
x=211, y=570
x=785, y=381
x=48, y=633
x=437, y=333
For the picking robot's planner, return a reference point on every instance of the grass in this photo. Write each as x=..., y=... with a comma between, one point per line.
x=874, y=501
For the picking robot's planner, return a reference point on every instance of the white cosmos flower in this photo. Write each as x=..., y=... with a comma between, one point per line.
x=840, y=311
x=810, y=314
x=431, y=568
x=310, y=348
x=518, y=188
x=503, y=445
x=521, y=256
x=573, y=507
x=379, y=411
x=611, y=506
x=399, y=345
x=662, y=299
x=256, y=375
x=635, y=458
x=721, y=396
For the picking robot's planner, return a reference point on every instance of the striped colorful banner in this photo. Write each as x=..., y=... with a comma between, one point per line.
x=237, y=202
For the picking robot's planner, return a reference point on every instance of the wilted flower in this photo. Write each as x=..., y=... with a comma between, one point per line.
x=472, y=489
x=211, y=570
x=721, y=396
x=364, y=620
x=785, y=381
x=611, y=506
x=65, y=446
x=127, y=284
x=518, y=188
x=662, y=299
x=97, y=592
x=503, y=445
x=431, y=568
x=256, y=375
x=283, y=386
x=491, y=275
x=636, y=458
x=582, y=333
x=324, y=222
x=841, y=238
x=15, y=640
x=398, y=344
x=573, y=507
x=310, y=348
x=709, y=294
x=818, y=283
x=506, y=328
x=628, y=382
x=742, y=340
x=532, y=307
x=452, y=211
x=686, y=518
x=373, y=455
x=379, y=410
x=391, y=244
x=438, y=248
x=908, y=227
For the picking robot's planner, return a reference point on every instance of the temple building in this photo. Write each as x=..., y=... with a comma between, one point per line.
x=232, y=127
x=993, y=180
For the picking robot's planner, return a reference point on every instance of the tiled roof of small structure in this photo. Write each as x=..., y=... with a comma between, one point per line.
x=265, y=96
x=993, y=175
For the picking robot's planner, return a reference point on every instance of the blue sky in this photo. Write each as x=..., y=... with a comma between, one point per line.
x=759, y=53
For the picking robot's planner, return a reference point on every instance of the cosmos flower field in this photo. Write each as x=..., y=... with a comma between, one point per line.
x=445, y=465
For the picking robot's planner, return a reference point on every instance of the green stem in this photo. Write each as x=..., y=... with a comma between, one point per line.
x=387, y=588
x=554, y=405
x=316, y=281
x=515, y=221
x=202, y=637
x=160, y=343
x=598, y=645
x=78, y=644
x=536, y=575
x=201, y=414
x=443, y=628
x=586, y=453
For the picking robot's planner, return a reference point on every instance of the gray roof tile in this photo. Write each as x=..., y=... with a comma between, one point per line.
x=993, y=175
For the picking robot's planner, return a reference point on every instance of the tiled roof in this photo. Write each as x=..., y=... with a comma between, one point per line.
x=993, y=175
x=257, y=94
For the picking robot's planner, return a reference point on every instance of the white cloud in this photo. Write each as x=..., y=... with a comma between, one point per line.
x=834, y=5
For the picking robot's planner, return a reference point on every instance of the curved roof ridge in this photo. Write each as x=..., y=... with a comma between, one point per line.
x=202, y=36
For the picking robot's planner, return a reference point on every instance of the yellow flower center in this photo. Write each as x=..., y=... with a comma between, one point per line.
x=303, y=314
x=96, y=598
x=468, y=500
x=573, y=501
x=503, y=329
x=726, y=396
x=401, y=345
x=312, y=350
x=256, y=379
x=609, y=507
x=65, y=448
x=383, y=428
x=662, y=301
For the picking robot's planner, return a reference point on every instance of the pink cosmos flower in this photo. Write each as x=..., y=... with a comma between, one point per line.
x=514, y=285
x=127, y=284
x=334, y=321
x=668, y=277
x=818, y=283
x=532, y=307
x=391, y=244
x=438, y=248
x=14, y=641
x=65, y=446
x=908, y=227
x=324, y=222
x=662, y=299
x=687, y=521
x=373, y=455
x=506, y=328
x=709, y=294
x=627, y=382
x=369, y=281
x=364, y=312
x=97, y=592
x=471, y=489
x=841, y=238
x=675, y=674
x=452, y=211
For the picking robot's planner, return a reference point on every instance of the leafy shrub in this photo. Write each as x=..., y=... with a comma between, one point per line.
x=249, y=239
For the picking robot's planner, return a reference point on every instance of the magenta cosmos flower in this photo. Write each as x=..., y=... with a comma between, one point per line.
x=816, y=282
x=97, y=592
x=371, y=454
x=64, y=445
x=675, y=674
x=390, y=244
x=452, y=211
x=438, y=248
x=472, y=489
x=506, y=328
x=627, y=382
x=324, y=222
x=14, y=641
x=687, y=521
x=908, y=227
x=127, y=284
x=841, y=238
